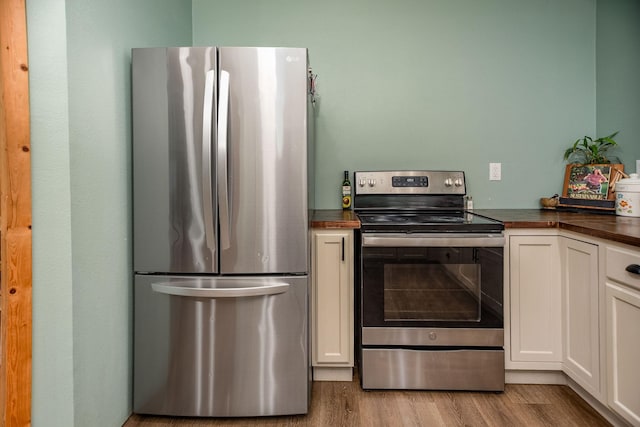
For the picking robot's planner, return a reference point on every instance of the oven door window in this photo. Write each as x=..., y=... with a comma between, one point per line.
x=432, y=292
x=454, y=286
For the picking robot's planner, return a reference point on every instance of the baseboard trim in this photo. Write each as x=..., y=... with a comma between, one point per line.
x=535, y=377
x=332, y=374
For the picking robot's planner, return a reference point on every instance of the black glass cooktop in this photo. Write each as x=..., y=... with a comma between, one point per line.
x=456, y=221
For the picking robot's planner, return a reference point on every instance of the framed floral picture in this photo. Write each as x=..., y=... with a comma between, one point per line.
x=591, y=185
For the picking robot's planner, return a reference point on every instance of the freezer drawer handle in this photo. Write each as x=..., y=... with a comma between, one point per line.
x=252, y=291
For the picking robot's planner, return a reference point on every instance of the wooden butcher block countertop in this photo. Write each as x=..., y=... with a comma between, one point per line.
x=617, y=228
x=334, y=218
x=621, y=229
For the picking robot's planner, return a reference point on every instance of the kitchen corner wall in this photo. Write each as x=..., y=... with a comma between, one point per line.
x=79, y=62
x=618, y=71
x=435, y=84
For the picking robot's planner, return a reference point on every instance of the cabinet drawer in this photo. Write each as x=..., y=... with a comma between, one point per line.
x=617, y=261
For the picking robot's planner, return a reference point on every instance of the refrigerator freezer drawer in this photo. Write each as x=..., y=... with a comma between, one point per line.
x=221, y=347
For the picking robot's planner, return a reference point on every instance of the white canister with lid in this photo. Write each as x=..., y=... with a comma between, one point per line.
x=628, y=196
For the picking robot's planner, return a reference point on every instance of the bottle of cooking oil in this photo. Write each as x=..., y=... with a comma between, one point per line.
x=346, y=191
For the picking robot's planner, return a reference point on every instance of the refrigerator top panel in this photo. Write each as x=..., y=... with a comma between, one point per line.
x=263, y=185
x=174, y=218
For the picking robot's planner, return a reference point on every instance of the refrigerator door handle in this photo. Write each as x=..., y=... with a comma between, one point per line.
x=170, y=288
x=223, y=165
x=207, y=190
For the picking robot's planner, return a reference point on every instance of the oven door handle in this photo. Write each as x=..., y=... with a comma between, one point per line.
x=458, y=240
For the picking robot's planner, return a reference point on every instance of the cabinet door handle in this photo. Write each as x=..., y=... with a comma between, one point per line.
x=633, y=268
x=343, y=249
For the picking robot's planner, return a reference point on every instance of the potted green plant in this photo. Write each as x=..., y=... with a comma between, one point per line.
x=587, y=150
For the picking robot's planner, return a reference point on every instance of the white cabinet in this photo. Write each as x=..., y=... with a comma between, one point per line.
x=332, y=304
x=534, y=303
x=572, y=306
x=623, y=333
x=580, y=313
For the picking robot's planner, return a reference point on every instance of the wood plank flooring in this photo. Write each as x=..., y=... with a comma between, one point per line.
x=346, y=404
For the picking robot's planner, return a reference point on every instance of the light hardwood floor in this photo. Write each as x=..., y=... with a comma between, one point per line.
x=346, y=404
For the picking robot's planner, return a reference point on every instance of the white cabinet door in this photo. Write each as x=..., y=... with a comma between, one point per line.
x=332, y=298
x=623, y=351
x=535, y=302
x=580, y=324
x=623, y=333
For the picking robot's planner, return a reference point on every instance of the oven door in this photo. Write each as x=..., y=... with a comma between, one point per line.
x=432, y=289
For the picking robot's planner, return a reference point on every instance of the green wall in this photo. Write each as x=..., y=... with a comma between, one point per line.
x=436, y=84
x=79, y=52
x=52, y=362
x=618, y=75
x=408, y=84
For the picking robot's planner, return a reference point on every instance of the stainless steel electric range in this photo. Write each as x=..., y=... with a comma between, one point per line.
x=430, y=300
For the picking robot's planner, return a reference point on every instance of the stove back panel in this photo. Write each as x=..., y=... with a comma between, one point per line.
x=410, y=182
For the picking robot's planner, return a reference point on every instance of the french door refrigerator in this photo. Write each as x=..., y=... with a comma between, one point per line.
x=220, y=226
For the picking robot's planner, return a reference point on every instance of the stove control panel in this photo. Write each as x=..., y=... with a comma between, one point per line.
x=410, y=182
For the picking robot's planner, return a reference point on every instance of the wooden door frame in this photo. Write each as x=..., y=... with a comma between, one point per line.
x=15, y=218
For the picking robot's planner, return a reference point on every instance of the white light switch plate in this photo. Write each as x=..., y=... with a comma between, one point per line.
x=495, y=171
x=638, y=166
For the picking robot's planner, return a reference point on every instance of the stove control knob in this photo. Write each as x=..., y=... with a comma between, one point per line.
x=372, y=182
x=362, y=182
x=458, y=182
x=448, y=182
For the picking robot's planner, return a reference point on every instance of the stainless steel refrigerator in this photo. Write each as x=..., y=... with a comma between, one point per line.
x=220, y=226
